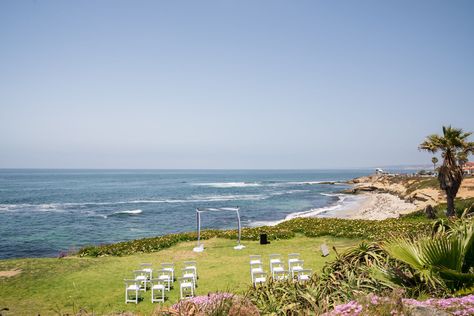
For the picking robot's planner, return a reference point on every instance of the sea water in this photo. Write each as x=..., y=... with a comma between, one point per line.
x=43, y=212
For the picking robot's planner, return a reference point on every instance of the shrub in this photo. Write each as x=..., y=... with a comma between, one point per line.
x=367, y=229
x=342, y=280
x=213, y=304
x=310, y=227
x=153, y=244
x=373, y=305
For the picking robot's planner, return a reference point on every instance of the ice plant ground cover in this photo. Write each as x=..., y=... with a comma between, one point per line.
x=204, y=301
x=375, y=305
x=309, y=227
x=213, y=304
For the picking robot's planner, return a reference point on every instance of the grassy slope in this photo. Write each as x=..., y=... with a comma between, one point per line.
x=57, y=286
x=440, y=209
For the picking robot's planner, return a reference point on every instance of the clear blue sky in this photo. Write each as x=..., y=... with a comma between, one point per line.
x=231, y=84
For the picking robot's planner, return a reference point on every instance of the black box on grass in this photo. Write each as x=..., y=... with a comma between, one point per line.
x=263, y=239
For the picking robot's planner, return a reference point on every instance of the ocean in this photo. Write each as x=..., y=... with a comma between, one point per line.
x=43, y=212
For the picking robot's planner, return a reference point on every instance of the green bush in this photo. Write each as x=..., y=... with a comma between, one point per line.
x=349, y=276
x=153, y=244
x=310, y=227
x=367, y=229
x=460, y=206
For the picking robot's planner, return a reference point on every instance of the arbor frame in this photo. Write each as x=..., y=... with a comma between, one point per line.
x=200, y=246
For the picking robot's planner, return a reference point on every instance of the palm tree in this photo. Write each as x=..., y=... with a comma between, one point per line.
x=462, y=159
x=434, y=160
x=450, y=174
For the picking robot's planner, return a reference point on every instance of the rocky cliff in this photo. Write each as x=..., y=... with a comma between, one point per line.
x=418, y=190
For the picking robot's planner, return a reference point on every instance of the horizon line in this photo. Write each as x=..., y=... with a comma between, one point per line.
x=222, y=169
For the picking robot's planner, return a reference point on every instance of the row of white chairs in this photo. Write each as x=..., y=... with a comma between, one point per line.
x=161, y=280
x=295, y=271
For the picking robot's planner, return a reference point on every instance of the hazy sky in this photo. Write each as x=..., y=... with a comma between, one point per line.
x=231, y=84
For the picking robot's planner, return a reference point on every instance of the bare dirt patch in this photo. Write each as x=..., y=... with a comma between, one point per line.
x=9, y=273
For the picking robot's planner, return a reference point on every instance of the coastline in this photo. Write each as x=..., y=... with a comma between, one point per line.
x=379, y=197
x=379, y=206
x=368, y=206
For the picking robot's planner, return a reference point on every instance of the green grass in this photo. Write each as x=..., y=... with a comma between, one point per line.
x=440, y=210
x=423, y=183
x=58, y=286
x=309, y=227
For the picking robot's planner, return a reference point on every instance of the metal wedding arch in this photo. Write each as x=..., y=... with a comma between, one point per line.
x=200, y=246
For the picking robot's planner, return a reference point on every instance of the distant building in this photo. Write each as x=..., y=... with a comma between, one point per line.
x=468, y=168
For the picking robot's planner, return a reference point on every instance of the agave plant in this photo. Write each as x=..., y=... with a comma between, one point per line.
x=445, y=260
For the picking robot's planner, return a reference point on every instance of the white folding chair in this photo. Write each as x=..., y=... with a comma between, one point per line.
x=255, y=268
x=295, y=267
x=131, y=287
x=186, y=287
x=169, y=267
x=141, y=276
x=165, y=276
x=147, y=268
x=292, y=257
x=255, y=259
x=304, y=275
x=280, y=275
x=260, y=277
x=274, y=258
x=159, y=286
x=189, y=273
x=277, y=267
x=192, y=265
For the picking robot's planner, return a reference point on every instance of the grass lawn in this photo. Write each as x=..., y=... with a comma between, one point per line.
x=50, y=286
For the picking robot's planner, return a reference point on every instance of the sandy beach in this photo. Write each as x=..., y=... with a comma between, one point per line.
x=390, y=196
x=378, y=206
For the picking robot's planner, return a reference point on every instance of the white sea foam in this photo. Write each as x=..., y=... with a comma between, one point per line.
x=334, y=194
x=259, y=184
x=127, y=212
x=287, y=192
x=310, y=182
x=205, y=198
x=53, y=207
x=265, y=223
x=301, y=183
x=229, y=197
x=314, y=211
x=132, y=212
x=60, y=207
x=229, y=184
x=344, y=202
x=295, y=191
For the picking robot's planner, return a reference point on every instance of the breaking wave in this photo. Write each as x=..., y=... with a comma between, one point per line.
x=344, y=202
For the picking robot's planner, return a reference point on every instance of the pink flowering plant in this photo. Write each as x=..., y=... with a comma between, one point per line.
x=205, y=301
x=213, y=304
x=396, y=306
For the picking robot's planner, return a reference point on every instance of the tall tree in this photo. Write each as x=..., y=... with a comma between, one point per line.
x=434, y=160
x=450, y=174
x=462, y=158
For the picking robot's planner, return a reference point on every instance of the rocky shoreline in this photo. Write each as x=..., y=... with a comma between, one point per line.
x=389, y=196
x=419, y=191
